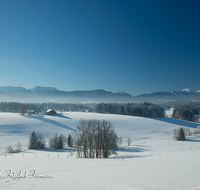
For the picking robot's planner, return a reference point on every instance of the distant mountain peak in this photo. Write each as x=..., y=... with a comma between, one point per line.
x=186, y=90
x=12, y=89
x=123, y=93
x=198, y=91
x=42, y=89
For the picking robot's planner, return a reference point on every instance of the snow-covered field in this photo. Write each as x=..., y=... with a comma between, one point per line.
x=153, y=161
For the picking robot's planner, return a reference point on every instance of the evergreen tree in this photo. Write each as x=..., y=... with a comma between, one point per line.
x=60, y=142
x=181, y=134
x=69, y=141
x=178, y=134
x=33, y=141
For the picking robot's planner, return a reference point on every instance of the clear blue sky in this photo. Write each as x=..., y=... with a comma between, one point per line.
x=116, y=45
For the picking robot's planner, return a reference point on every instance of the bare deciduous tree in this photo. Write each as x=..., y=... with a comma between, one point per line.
x=129, y=141
x=94, y=137
x=120, y=141
x=18, y=147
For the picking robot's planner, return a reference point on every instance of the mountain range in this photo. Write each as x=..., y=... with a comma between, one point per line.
x=40, y=94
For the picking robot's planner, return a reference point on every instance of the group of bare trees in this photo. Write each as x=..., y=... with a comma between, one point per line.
x=95, y=138
x=57, y=142
x=181, y=133
x=18, y=148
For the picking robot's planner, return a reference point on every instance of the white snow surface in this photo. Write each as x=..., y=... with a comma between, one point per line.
x=153, y=161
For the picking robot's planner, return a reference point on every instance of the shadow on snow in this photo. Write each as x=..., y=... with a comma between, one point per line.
x=41, y=118
x=136, y=148
x=178, y=122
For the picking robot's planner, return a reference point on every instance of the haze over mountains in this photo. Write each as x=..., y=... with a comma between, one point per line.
x=40, y=94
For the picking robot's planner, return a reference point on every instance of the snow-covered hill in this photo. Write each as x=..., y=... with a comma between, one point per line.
x=153, y=161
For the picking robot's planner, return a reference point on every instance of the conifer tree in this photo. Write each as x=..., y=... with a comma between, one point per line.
x=69, y=141
x=33, y=141
x=60, y=142
x=181, y=134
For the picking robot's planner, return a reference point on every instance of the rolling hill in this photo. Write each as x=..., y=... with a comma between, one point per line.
x=153, y=161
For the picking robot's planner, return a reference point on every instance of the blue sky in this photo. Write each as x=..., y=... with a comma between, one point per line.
x=116, y=45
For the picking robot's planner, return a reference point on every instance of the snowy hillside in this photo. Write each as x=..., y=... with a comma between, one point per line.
x=153, y=161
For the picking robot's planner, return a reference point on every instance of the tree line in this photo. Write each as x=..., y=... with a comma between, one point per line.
x=93, y=138
x=14, y=106
x=37, y=141
x=143, y=109
x=187, y=111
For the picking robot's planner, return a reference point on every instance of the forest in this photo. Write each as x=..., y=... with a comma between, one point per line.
x=189, y=112
x=14, y=106
x=143, y=109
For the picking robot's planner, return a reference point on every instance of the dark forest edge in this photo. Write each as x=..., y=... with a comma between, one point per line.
x=143, y=109
x=14, y=106
x=188, y=112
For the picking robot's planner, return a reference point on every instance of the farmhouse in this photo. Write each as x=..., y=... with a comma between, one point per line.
x=51, y=112
x=48, y=112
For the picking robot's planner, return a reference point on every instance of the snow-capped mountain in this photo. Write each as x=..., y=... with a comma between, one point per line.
x=22, y=90
x=186, y=90
x=13, y=89
x=197, y=92
x=40, y=94
x=42, y=89
x=124, y=93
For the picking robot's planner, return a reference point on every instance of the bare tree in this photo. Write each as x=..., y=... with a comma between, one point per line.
x=18, y=147
x=9, y=149
x=120, y=141
x=41, y=141
x=22, y=109
x=93, y=137
x=129, y=141
x=53, y=142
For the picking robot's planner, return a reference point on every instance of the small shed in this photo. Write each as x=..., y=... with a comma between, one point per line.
x=83, y=110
